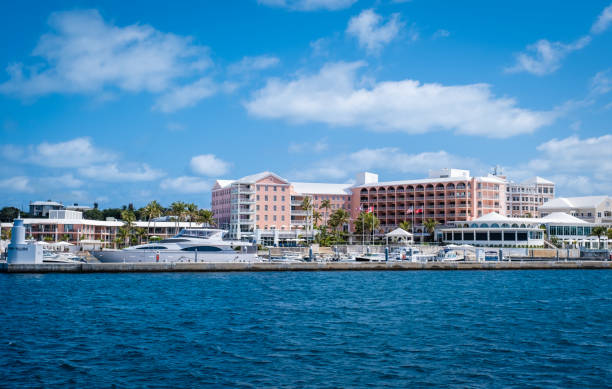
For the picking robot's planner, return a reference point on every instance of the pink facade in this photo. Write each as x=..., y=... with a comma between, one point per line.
x=443, y=199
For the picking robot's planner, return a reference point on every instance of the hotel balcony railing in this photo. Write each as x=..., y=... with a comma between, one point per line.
x=299, y=213
x=298, y=222
x=243, y=191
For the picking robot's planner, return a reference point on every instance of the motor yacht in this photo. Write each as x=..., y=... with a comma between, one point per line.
x=190, y=245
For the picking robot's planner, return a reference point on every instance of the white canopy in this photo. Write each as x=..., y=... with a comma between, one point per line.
x=399, y=233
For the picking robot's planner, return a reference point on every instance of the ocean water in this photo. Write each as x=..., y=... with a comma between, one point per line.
x=308, y=329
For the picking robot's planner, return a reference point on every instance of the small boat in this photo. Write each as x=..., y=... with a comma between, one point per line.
x=51, y=257
x=448, y=254
x=412, y=254
x=491, y=255
x=370, y=257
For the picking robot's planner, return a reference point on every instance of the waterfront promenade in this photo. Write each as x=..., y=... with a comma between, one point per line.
x=299, y=266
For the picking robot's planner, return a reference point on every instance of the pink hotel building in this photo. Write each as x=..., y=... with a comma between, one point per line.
x=266, y=201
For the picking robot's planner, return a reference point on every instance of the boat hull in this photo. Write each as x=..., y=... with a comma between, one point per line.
x=146, y=256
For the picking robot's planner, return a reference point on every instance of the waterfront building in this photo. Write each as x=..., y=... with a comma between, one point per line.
x=69, y=226
x=498, y=230
x=42, y=208
x=524, y=199
x=594, y=209
x=448, y=195
x=265, y=201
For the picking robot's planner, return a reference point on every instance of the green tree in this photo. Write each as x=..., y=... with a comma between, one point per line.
x=206, y=216
x=151, y=211
x=316, y=218
x=599, y=231
x=430, y=227
x=326, y=207
x=191, y=211
x=609, y=233
x=366, y=223
x=8, y=214
x=93, y=214
x=178, y=208
x=338, y=218
x=141, y=234
x=129, y=218
x=406, y=226
x=6, y=234
x=307, y=206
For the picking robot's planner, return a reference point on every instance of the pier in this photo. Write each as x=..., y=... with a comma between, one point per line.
x=301, y=266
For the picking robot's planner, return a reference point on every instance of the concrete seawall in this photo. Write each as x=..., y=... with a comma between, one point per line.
x=306, y=266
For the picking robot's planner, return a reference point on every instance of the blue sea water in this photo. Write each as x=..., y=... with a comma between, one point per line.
x=308, y=329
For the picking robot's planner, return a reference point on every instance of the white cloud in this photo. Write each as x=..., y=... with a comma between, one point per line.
x=209, y=165
x=390, y=159
x=544, y=57
x=578, y=166
x=84, y=54
x=16, y=184
x=63, y=181
x=185, y=96
x=174, y=126
x=316, y=147
x=334, y=97
x=112, y=173
x=77, y=152
x=370, y=31
x=309, y=5
x=603, y=21
x=186, y=184
x=441, y=34
x=601, y=83
x=250, y=64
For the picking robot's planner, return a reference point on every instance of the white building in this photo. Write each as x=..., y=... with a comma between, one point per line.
x=593, y=209
x=42, y=208
x=525, y=198
x=498, y=230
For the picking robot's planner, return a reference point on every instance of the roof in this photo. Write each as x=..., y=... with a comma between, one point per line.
x=574, y=202
x=415, y=182
x=261, y=176
x=321, y=188
x=398, y=232
x=537, y=180
x=46, y=203
x=553, y=218
x=223, y=183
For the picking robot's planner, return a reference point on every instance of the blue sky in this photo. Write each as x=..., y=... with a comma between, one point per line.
x=119, y=102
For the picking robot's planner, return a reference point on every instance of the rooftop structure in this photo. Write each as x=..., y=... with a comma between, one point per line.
x=42, y=208
x=594, y=209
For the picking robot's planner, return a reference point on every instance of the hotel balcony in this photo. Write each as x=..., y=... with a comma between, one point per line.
x=299, y=213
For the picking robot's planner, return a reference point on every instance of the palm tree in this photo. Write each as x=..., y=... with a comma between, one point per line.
x=366, y=223
x=191, y=211
x=599, y=231
x=406, y=226
x=206, y=216
x=141, y=234
x=326, y=205
x=151, y=211
x=177, y=208
x=307, y=206
x=316, y=217
x=338, y=219
x=430, y=226
x=128, y=217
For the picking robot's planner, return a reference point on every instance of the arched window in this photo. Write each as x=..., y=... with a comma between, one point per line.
x=474, y=225
x=515, y=225
x=484, y=225
x=494, y=225
x=505, y=225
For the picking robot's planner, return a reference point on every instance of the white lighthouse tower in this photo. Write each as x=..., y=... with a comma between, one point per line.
x=20, y=251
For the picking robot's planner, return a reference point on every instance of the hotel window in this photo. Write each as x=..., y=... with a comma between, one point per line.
x=283, y=189
x=274, y=207
x=266, y=188
x=282, y=198
x=274, y=187
x=257, y=218
x=257, y=197
x=266, y=217
x=274, y=197
x=257, y=207
x=266, y=198
x=282, y=217
x=282, y=207
x=274, y=218
x=265, y=207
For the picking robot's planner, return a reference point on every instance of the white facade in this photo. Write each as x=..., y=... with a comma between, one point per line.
x=593, y=209
x=525, y=198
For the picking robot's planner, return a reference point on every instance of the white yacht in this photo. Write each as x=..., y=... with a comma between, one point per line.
x=190, y=245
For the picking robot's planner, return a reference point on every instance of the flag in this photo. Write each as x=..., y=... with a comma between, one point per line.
x=370, y=209
x=409, y=211
x=420, y=210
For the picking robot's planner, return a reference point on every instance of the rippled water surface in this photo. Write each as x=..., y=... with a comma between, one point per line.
x=308, y=329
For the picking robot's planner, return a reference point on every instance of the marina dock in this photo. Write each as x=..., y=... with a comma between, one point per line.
x=303, y=266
